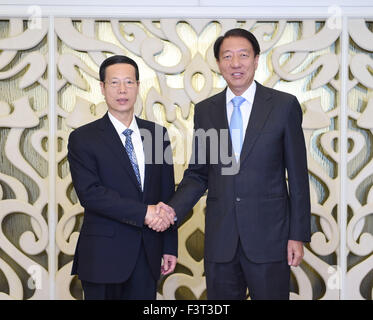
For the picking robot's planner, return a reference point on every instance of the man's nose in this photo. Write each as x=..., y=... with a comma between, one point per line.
x=235, y=62
x=122, y=87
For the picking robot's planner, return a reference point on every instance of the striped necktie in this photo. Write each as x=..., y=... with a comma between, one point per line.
x=131, y=154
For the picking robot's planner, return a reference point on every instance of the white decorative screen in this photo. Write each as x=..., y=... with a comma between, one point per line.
x=40, y=216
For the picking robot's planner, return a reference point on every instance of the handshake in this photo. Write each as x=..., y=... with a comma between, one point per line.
x=159, y=217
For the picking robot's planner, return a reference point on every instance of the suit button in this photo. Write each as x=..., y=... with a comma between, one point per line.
x=238, y=199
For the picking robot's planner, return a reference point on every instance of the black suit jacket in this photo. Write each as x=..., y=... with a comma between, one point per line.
x=114, y=204
x=253, y=205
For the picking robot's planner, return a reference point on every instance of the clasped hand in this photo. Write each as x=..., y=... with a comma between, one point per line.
x=159, y=217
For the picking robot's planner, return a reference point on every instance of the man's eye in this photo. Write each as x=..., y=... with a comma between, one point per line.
x=114, y=83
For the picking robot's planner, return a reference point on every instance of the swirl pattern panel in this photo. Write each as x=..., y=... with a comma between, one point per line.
x=177, y=70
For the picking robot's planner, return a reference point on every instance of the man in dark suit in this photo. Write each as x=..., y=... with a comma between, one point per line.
x=119, y=183
x=255, y=226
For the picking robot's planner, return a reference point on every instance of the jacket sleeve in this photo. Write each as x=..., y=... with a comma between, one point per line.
x=92, y=194
x=296, y=165
x=170, y=238
x=194, y=182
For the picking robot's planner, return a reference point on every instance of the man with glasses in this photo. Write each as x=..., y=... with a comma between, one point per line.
x=119, y=184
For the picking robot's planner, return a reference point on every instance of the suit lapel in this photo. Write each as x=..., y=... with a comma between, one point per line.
x=112, y=140
x=220, y=122
x=219, y=118
x=262, y=106
x=148, y=145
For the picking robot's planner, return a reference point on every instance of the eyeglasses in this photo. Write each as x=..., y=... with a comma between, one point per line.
x=129, y=83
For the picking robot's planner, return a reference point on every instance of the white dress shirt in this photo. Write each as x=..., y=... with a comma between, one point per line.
x=245, y=107
x=136, y=141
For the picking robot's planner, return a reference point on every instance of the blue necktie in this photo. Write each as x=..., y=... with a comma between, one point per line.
x=235, y=127
x=131, y=154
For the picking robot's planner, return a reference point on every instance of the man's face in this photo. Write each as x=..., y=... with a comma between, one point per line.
x=120, y=88
x=237, y=63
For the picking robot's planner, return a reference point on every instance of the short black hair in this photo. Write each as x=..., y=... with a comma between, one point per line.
x=115, y=60
x=237, y=32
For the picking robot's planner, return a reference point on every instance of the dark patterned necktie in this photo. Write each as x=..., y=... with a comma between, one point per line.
x=131, y=154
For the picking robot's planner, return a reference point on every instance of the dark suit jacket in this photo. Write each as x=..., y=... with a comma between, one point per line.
x=253, y=205
x=114, y=204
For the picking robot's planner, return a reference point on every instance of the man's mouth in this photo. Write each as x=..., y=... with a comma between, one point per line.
x=122, y=100
x=237, y=74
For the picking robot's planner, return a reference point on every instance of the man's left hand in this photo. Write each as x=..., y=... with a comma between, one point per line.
x=169, y=264
x=295, y=252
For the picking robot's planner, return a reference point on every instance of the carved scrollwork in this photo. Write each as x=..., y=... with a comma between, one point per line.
x=177, y=70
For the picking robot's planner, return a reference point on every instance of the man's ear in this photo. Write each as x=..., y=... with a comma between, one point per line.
x=102, y=86
x=217, y=63
x=256, y=61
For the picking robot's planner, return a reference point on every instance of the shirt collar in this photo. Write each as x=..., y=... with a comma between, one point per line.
x=248, y=94
x=120, y=127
